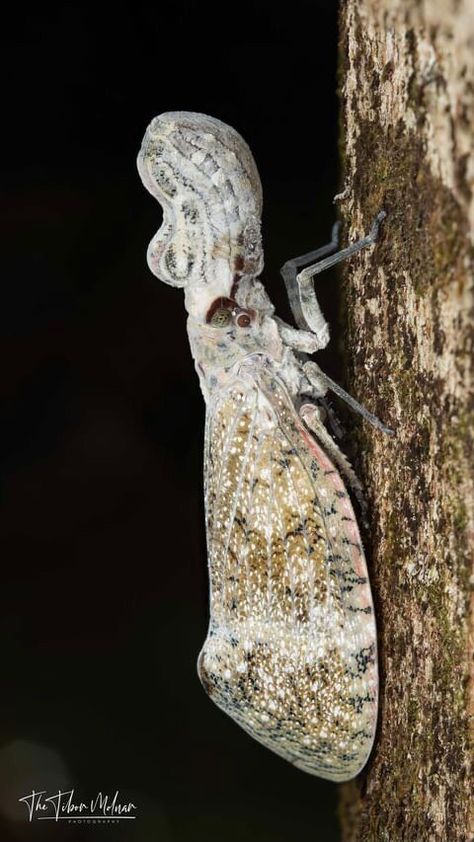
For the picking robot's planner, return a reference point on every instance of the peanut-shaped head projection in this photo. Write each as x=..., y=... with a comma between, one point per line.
x=204, y=176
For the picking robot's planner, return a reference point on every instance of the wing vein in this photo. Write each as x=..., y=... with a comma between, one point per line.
x=258, y=452
x=248, y=445
x=310, y=573
x=288, y=565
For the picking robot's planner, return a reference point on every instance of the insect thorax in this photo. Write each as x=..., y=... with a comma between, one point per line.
x=218, y=352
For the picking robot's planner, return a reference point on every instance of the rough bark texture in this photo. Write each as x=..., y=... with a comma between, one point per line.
x=407, y=125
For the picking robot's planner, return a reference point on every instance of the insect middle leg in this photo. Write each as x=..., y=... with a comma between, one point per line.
x=321, y=383
x=311, y=417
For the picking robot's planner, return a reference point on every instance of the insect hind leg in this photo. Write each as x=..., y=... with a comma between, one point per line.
x=311, y=415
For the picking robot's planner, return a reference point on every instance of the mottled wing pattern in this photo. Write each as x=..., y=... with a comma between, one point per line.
x=291, y=649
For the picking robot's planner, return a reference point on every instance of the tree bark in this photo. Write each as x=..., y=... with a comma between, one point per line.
x=407, y=93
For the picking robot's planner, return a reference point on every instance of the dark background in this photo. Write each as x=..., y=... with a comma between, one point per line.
x=104, y=584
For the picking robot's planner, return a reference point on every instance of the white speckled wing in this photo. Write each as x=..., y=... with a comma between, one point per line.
x=291, y=648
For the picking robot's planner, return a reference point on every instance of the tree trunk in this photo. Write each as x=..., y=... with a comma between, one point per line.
x=408, y=120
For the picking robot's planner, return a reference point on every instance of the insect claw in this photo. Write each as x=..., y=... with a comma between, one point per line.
x=374, y=231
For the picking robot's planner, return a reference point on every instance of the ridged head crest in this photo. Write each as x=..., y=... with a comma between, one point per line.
x=203, y=174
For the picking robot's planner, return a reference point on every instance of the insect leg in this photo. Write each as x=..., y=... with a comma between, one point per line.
x=331, y=419
x=310, y=415
x=303, y=341
x=301, y=292
x=326, y=413
x=289, y=272
x=318, y=377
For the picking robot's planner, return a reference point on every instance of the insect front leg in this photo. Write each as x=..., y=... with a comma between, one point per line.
x=303, y=341
x=301, y=294
x=289, y=272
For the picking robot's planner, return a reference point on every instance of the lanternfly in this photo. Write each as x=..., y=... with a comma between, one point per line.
x=291, y=651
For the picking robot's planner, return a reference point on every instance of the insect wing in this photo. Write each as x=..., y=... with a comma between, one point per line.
x=291, y=648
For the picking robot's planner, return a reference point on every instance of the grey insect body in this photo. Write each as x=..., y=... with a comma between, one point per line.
x=291, y=651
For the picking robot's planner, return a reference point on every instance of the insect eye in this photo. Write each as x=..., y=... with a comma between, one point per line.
x=243, y=320
x=221, y=317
